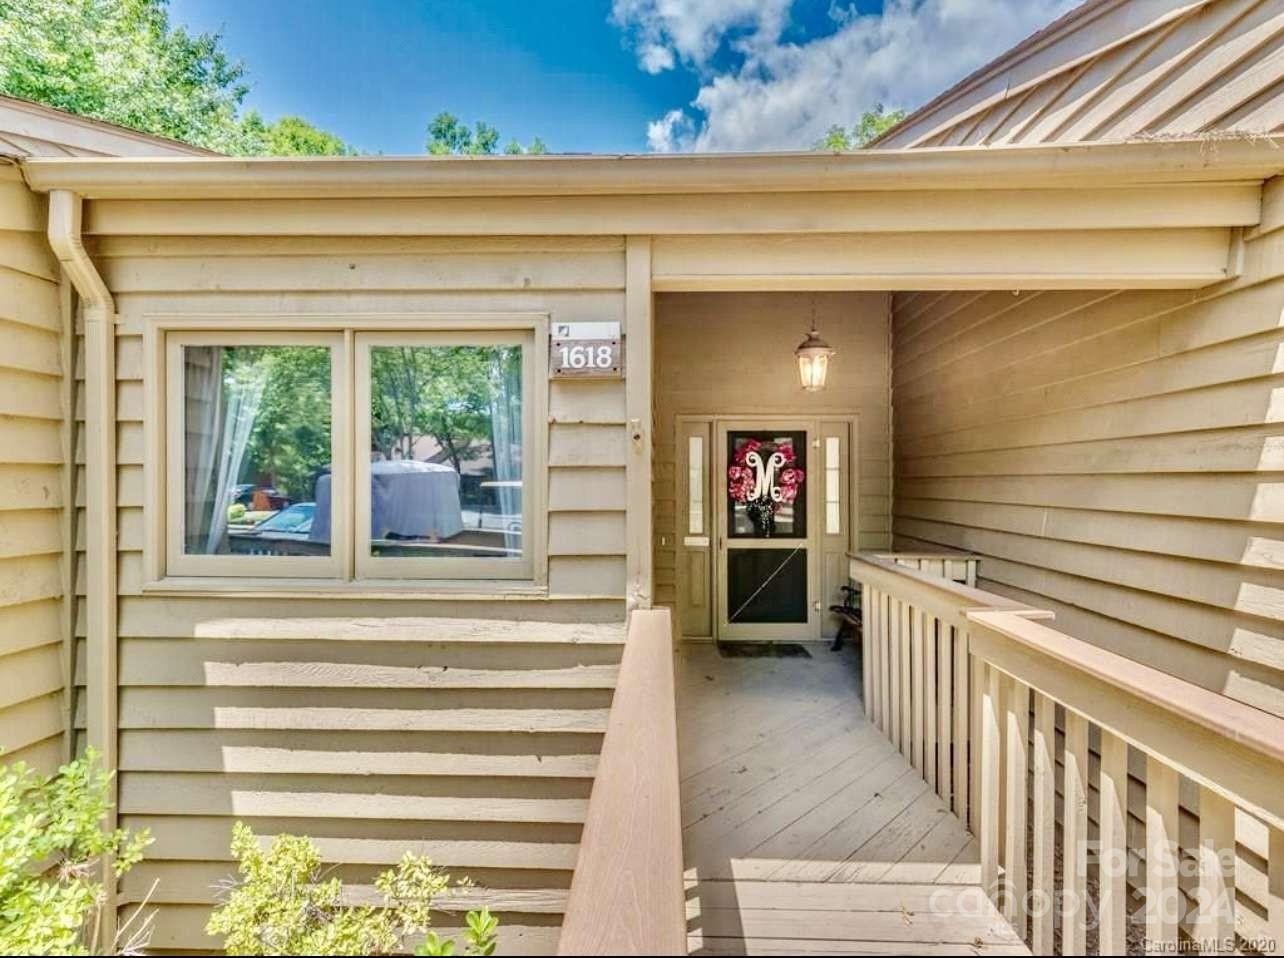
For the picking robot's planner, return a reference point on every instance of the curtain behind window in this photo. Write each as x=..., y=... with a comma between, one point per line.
x=506, y=439
x=222, y=401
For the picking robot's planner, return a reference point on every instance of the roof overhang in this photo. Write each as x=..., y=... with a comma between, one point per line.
x=1134, y=163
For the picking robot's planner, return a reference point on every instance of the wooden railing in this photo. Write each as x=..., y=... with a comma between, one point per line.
x=916, y=672
x=1116, y=806
x=956, y=566
x=627, y=893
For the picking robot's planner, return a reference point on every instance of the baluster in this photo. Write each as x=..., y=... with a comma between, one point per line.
x=1074, y=837
x=962, y=729
x=1014, y=803
x=1275, y=887
x=917, y=682
x=977, y=682
x=894, y=670
x=1216, y=897
x=1161, y=857
x=1113, y=860
x=907, y=691
x=885, y=663
x=945, y=718
x=867, y=649
x=929, y=699
x=989, y=797
x=880, y=660
x=1045, y=816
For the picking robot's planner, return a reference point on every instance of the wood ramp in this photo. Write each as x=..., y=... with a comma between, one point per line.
x=804, y=830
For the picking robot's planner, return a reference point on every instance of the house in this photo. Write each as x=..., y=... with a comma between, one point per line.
x=1046, y=453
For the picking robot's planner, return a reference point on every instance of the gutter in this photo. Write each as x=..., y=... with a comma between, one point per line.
x=98, y=311
x=1136, y=162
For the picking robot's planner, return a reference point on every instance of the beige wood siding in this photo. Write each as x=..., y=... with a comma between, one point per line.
x=1119, y=69
x=32, y=620
x=733, y=354
x=465, y=728
x=1114, y=456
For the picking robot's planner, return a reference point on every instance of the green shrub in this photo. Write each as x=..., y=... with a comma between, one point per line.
x=283, y=905
x=51, y=848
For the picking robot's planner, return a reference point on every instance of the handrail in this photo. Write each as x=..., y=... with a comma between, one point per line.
x=1251, y=727
x=627, y=895
x=936, y=594
x=1002, y=714
x=918, y=686
x=1232, y=754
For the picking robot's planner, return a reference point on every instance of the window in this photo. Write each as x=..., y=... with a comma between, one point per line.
x=446, y=426
x=351, y=454
x=695, y=485
x=252, y=439
x=833, y=484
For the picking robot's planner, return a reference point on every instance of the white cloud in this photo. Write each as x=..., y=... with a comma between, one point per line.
x=692, y=30
x=655, y=58
x=672, y=133
x=782, y=95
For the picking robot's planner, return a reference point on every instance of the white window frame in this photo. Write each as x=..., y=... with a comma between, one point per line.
x=372, y=567
x=180, y=563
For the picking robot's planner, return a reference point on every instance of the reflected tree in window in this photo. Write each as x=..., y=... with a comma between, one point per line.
x=257, y=439
x=455, y=408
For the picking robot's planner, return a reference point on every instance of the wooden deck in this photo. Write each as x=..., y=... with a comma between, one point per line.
x=804, y=830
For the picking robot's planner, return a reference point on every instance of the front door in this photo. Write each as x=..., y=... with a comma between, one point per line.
x=765, y=531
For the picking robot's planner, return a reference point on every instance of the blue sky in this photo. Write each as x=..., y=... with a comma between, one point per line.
x=604, y=75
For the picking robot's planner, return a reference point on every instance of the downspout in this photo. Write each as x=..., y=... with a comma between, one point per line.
x=98, y=312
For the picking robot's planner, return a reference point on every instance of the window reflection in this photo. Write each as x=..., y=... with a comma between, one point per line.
x=446, y=451
x=257, y=429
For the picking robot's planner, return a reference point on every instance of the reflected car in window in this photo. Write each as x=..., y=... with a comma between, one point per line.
x=286, y=533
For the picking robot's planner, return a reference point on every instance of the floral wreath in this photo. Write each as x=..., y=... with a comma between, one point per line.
x=763, y=477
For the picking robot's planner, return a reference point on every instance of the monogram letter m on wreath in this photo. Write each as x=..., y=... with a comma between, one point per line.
x=763, y=477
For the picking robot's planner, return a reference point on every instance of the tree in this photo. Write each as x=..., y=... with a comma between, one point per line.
x=290, y=440
x=537, y=148
x=292, y=136
x=285, y=902
x=447, y=135
x=123, y=62
x=52, y=846
x=871, y=125
x=442, y=392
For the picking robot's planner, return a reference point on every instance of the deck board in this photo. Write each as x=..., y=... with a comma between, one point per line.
x=804, y=830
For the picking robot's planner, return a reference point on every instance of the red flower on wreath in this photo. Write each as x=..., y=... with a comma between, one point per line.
x=783, y=484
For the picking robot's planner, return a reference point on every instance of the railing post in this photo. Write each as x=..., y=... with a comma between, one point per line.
x=885, y=663
x=1161, y=857
x=1216, y=898
x=1015, y=782
x=1275, y=887
x=1112, y=919
x=1045, y=818
x=927, y=628
x=962, y=729
x=972, y=741
x=916, y=685
x=989, y=764
x=1074, y=837
x=944, y=713
x=867, y=649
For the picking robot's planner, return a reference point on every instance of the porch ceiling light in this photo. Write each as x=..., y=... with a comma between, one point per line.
x=813, y=361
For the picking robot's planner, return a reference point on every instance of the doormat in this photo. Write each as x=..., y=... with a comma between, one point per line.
x=762, y=650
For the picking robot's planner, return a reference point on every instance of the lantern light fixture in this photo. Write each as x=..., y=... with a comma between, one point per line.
x=813, y=360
